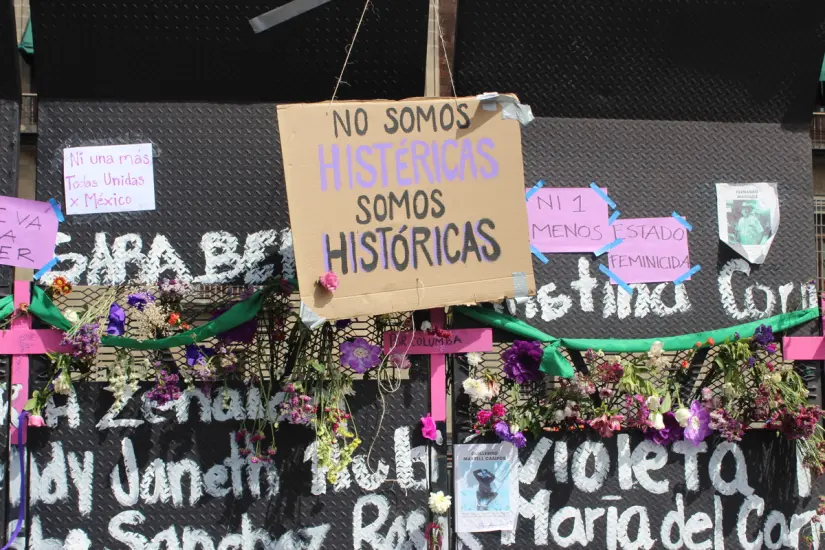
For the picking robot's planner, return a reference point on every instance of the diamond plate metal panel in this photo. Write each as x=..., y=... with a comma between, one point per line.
x=206, y=49
x=652, y=168
x=217, y=168
x=731, y=60
x=9, y=151
x=293, y=507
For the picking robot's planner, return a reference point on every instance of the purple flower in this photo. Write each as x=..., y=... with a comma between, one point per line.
x=671, y=433
x=166, y=388
x=360, y=355
x=117, y=321
x=197, y=355
x=522, y=361
x=502, y=430
x=698, y=424
x=140, y=299
x=763, y=336
x=519, y=440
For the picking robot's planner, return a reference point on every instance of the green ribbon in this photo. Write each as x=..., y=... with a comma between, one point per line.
x=555, y=364
x=44, y=309
x=6, y=306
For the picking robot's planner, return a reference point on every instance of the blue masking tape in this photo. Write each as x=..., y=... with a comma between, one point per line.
x=683, y=221
x=684, y=276
x=537, y=253
x=46, y=268
x=613, y=217
x=603, y=195
x=532, y=191
x=57, y=211
x=615, y=279
x=608, y=246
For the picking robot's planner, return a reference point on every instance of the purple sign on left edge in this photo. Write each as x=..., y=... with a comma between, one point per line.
x=28, y=232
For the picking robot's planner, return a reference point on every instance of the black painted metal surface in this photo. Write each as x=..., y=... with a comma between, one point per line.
x=206, y=50
x=731, y=60
x=327, y=519
x=557, y=492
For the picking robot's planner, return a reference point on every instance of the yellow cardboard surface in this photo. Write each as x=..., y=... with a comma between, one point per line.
x=414, y=204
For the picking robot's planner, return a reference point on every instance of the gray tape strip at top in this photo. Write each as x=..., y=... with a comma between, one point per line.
x=284, y=13
x=510, y=107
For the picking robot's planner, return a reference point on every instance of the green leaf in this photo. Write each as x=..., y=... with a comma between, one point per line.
x=666, y=403
x=317, y=366
x=31, y=404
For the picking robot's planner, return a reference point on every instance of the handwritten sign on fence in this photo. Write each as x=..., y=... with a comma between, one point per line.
x=653, y=250
x=28, y=232
x=567, y=220
x=413, y=204
x=113, y=178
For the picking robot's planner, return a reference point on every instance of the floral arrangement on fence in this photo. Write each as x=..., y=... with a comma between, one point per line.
x=273, y=352
x=746, y=387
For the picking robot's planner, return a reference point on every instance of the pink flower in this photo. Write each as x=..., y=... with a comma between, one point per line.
x=329, y=281
x=499, y=411
x=428, y=429
x=606, y=425
x=483, y=416
x=400, y=361
x=36, y=421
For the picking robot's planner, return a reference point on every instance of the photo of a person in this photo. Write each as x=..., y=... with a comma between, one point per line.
x=747, y=225
x=484, y=494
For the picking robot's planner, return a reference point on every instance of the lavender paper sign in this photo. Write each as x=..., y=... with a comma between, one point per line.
x=28, y=232
x=653, y=250
x=568, y=219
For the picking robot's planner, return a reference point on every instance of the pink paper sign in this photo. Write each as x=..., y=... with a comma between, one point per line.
x=424, y=343
x=568, y=219
x=28, y=232
x=653, y=250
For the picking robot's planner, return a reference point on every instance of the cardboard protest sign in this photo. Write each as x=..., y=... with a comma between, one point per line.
x=113, y=178
x=653, y=250
x=28, y=232
x=567, y=220
x=413, y=204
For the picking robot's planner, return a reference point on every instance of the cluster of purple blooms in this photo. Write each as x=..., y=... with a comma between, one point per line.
x=84, y=342
x=522, y=361
x=297, y=408
x=138, y=300
x=166, y=388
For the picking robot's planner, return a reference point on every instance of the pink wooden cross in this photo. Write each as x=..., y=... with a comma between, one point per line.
x=805, y=348
x=422, y=343
x=20, y=342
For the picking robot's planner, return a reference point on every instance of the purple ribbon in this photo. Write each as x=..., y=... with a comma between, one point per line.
x=22, y=423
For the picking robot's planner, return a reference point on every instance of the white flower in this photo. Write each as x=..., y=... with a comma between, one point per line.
x=514, y=429
x=657, y=420
x=682, y=416
x=654, y=402
x=62, y=385
x=558, y=416
x=474, y=359
x=440, y=503
x=72, y=316
x=729, y=390
x=480, y=391
x=656, y=350
x=568, y=412
x=776, y=378
x=426, y=325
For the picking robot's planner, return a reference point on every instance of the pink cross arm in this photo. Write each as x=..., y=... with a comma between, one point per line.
x=438, y=374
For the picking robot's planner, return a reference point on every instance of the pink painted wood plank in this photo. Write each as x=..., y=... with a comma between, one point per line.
x=438, y=374
x=460, y=341
x=21, y=341
x=20, y=363
x=803, y=348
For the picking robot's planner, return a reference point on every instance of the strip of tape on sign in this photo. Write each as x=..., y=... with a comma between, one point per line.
x=57, y=211
x=615, y=278
x=685, y=276
x=46, y=268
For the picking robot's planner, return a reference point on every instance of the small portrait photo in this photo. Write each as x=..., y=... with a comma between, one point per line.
x=485, y=486
x=747, y=222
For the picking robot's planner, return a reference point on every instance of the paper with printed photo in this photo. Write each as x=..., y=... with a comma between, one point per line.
x=486, y=487
x=748, y=215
